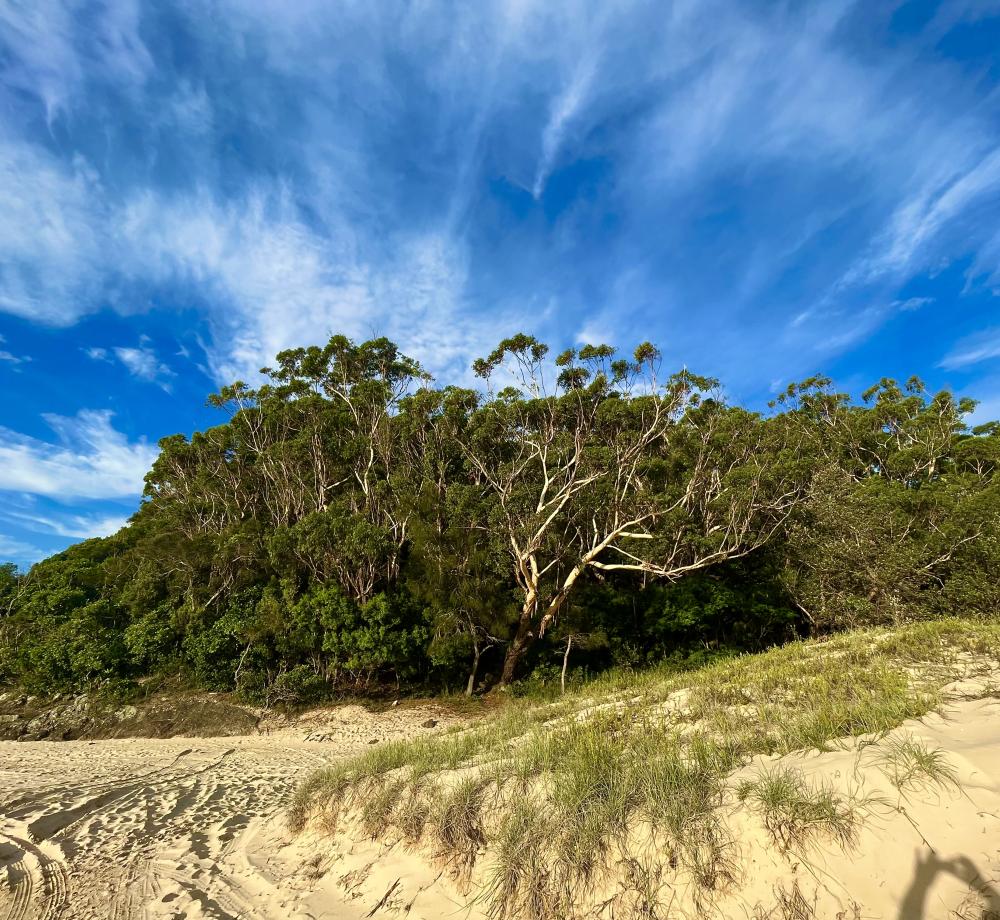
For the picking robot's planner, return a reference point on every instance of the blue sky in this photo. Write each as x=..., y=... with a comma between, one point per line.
x=766, y=189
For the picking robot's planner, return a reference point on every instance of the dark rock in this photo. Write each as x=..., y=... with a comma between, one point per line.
x=430, y=723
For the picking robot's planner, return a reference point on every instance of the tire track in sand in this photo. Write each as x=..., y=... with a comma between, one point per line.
x=160, y=829
x=53, y=892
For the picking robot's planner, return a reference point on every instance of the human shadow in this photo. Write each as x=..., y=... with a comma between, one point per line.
x=928, y=867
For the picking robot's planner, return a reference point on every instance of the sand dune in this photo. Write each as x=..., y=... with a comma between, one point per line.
x=920, y=852
x=929, y=854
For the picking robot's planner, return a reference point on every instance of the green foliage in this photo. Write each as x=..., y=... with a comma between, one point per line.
x=299, y=685
x=150, y=640
x=8, y=580
x=71, y=653
x=350, y=526
x=383, y=634
x=901, y=516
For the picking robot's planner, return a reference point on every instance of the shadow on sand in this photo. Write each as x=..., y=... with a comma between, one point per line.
x=928, y=867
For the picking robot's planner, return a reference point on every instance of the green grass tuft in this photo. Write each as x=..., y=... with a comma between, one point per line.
x=911, y=766
x=796, y=812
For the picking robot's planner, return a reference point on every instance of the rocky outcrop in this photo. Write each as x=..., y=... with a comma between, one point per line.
x=29, y=718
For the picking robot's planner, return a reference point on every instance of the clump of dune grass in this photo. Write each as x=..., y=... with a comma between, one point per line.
x=912, y=766
x=518, y=882
x=415, y=809
x=621, y=785
x=378, y=801
x=324, y=789
x=796, y=812
x=458, y=821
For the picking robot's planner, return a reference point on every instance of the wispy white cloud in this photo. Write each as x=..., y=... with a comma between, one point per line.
x=844, y=328
x=846, y=171
x=985, y=267
x=14, y=550
x=274, y=282
x=10, y=357
x=912, y=303
x=579, y=66
x=829, y=327
x=80, y=526
x=46, y=57
x=53, y=235
x=271, y=280
x=142, y=362
x=955, y=12
x=89, y=459
x=268, y=279
x=190, y=109
x=565, y=106
x=973, y=349
x=921, y=218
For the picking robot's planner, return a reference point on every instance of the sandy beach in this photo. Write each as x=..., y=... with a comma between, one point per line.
x=177, y=828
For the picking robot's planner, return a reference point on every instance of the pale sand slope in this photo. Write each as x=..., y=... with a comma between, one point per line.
x=940, y=859
x=193, y=828
x=924, y=855
x=178, y=828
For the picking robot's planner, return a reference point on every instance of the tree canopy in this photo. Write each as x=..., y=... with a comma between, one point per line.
x=351, y=524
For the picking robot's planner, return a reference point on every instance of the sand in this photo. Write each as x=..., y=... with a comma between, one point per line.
x=178, y=828
x=188, y=828
x=931, y=854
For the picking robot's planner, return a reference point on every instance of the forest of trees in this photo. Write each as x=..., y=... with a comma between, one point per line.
x=352, y=526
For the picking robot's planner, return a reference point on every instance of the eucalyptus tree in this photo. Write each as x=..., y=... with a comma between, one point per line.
x=896, y=432
x=595, y=463
x=307, y=461
x=456, y=561
x=900, y=500
x=351, y=521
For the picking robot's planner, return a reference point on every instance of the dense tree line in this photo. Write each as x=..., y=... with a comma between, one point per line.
x=351, y=524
